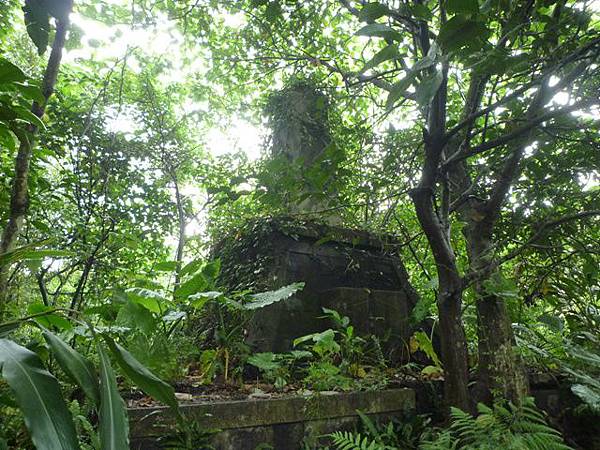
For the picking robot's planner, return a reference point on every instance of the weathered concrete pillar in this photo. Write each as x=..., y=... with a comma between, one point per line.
x=298, y=116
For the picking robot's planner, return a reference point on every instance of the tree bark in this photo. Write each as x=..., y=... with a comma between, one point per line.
x=181, y=236
x=19, y=197
x=499, y=373
x=449, y=301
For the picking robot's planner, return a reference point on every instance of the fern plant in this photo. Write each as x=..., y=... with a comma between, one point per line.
x=502, y=427
x=505, y=427
x=347, y=440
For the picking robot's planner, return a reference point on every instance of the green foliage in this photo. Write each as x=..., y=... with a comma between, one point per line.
x=509, y=427
x=278, y=368
x=113, y=424
x=346, y=440
x=267, y=298
x=502, y=426
x=78, y=368
x=39, y=398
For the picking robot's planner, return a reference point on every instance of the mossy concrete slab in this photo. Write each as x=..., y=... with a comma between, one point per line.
x=279, y=422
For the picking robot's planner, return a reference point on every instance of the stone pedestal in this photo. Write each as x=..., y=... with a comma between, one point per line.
x=354, y=272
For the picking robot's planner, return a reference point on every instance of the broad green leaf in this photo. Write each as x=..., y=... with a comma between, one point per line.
x=420, y=341
x=28, y=252
x=30, y=91
x=76, y=366
x=151, y=300
x=420, y=11
x=323, y=342
x=379, y=30
x=373, y=11
x=211, y=270
x=264, y=361
x=201, y=298
x=387, y=53
x=195, y=284
x=9, y=72
x=26, y=115
x=267, y=298
x=50, y=319
x=113, y=426
x=8, y=327
x=141, y=376
x=461, y=31
x=428, y=87
x=590, y=396
x=399, y=90
x=38, y=395
x=166, y=266
x=192, y=266
x=135, y=316
x=40, y=254
x=37, y=21
x=428, y=60
x=462, y=6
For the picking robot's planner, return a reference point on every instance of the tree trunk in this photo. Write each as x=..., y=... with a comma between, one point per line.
x=19, y=196
x=500, y=375
x=449, y=301
x=181, y=234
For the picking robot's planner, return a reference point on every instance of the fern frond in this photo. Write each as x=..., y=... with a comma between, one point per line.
x=346, y=440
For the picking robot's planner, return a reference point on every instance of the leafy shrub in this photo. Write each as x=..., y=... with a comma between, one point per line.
x=501, y=427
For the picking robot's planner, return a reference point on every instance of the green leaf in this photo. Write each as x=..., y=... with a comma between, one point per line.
x=50, y=319
x=323, y=342
x=78, y=368
x=420, y=11
x=267, y=298
x=26, y=115
x=399, y=89
x=373, y=11
x=428, y=60
x=590, y=396
x=37, y=21
x=195, y=284
x=387, y=53
x=8, y=327
x=192, y=267
x=133, y=315
x=38, y=395
x=199, y=300
x=273, y=11
x=428, y=87
x=166, y=266
x=113, y=427
x=30, y=91
x=211, y=270
x=461, y=31
x=27, y=252
x=9, y=72
x=379, y=30
x=151, y=300
x=265, y=361
x=462, y=7
x=423, y=343
x=7, y=138
x=141, y=376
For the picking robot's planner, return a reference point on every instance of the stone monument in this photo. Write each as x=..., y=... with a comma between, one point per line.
x=354, y=272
